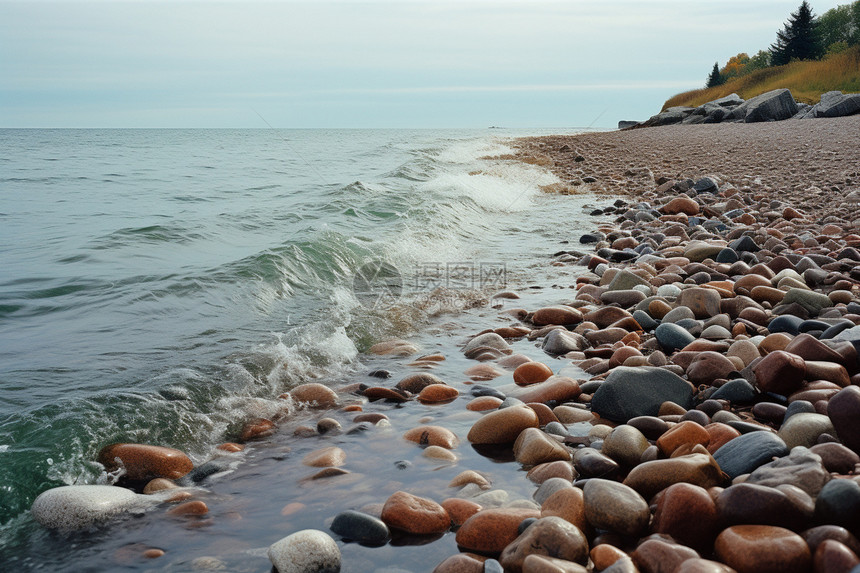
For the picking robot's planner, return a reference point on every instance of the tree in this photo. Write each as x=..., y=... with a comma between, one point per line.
x=758, y=62
x=735, y=66
x=798, y=40
x=715, y=78
x=835, y=25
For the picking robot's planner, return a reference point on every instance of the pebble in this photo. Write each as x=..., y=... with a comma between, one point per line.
x=502, y=426
x=748, y=503
x=432, y=436
x=615, y=507
x=143, y=462
x=651, y=477
x=629, y=392
x=360, y=527
x=534, y=447
x=625, y=444
x=800, y=468
x=459, y=510
x=314, y=395
x=549, y=536
x=331, y=456
x=437, y=394
x=657, y=555
x=562, y=315
x=747, y=452
x=843, y=409
x=763, y=549
x=568, y=504
x=491, y=530
x=672, y=337
x=804, y=429
x=413, y=514
x=306, y=551
x=531, y=373
x=76, y=507
x=688, y=514
x=838, y=503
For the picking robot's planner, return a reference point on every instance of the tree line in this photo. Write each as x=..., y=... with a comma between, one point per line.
x=803, y=37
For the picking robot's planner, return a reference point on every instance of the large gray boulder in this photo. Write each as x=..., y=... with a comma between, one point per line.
x=774, y=105
x=670, y=116
x=835, y=104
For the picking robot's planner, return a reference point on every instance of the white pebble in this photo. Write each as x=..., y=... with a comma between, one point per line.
x=74, y=507
x=306, y=551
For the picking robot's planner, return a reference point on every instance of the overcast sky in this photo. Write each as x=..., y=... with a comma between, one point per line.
x=399, y=63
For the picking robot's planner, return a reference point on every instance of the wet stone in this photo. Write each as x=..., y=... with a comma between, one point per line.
x=629, y=392
x=780, y=372
x=75, y=507
x=661, y=556
x=491, y=530
x=747, y=503
x=747, y=452
x=145, y=462
x=672, y=337
x=305, y=551
x=415, y=514
x=502, y=426
x=800, y=468
x=688, y=514
x=843, y=409
x=763, y=549
x=836, y=457
x=534, y=447
x=651, y=477
x=838, y=503
x=804, y=429
x=548, y=536
x=614, y=506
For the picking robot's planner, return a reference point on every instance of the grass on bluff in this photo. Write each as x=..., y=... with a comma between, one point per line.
x=807, y=80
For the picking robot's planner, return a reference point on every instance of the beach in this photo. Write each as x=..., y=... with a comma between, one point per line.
x=670, y=385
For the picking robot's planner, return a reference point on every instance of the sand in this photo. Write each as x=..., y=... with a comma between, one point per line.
x=785, y=157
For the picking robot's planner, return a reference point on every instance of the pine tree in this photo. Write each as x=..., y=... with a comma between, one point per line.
x=715, y=78
x=798, y=40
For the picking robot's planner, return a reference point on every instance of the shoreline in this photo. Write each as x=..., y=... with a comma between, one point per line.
x=593, y=350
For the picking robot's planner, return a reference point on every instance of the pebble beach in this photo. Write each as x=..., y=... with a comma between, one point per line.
x=683, y=395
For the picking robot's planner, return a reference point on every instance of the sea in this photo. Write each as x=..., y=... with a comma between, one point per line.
x=163, y=286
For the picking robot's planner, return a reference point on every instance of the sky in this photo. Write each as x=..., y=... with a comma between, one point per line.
x=349, y=64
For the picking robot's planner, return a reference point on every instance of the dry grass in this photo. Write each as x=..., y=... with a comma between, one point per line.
x=806, y=80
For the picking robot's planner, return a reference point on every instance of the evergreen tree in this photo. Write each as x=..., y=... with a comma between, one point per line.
x=798, y=40
x=715, y=78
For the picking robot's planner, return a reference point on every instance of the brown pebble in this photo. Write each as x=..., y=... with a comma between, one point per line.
x=159, y=484
x=153, y=553
x=437, y=394
x=531, y=373
x=331, y=456
x=415, y=514
x=432, y=436
x=460, y=509
x=502, y=426
x=763, y=549
x=313, y=394
x=256, y=429
x=491, y=530
x=231, y=447
x=145, y=462
x=189, y=508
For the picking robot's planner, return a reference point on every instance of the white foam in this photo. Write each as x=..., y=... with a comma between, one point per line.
x=3, y=448
x=496, y=187
x=468, y=151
